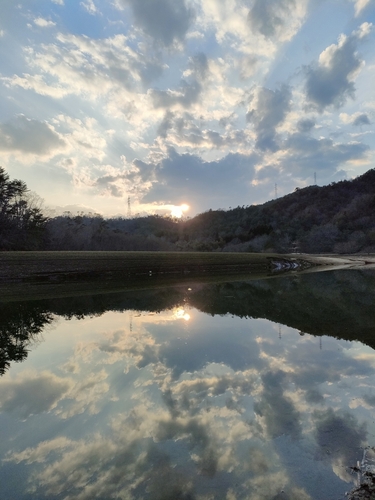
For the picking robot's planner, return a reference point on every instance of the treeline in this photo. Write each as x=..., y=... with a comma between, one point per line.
x=337, y=218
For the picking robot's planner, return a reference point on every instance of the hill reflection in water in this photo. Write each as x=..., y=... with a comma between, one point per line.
x=187, y=392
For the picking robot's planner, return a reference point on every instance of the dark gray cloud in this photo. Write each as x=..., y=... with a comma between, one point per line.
x=271, y=109
x=199, y=65
x=279, y=413
x=189, y=89
x=187, y=94
x=189, y=179
x=306, y=155
x=339, y=436
x=110, y=183
x=247, y=66
x=122, y=69
x=33, y=395
x=29, y=136
x=199, y=440
x=166, y=124
x=329, y=83
x=369, y=399
x=362, y=119
x=164, y=20
x=268, y=17
x=305, y=125
x=162, y=479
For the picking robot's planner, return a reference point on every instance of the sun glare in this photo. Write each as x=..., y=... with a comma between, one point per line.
x=181, y=314
x=178, y=210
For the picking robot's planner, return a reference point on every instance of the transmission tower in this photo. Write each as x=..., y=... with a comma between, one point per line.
x=129, y=208
x=314, y=178
x=276, y=191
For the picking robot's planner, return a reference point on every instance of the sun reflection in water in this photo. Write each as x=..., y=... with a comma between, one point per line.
x=181, y=314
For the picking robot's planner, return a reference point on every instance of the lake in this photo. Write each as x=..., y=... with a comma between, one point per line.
x=260, y=389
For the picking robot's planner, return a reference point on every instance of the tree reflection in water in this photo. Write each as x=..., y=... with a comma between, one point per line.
x=20, y=325
x=339, y=304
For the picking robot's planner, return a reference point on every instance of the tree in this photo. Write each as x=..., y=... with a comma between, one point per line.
x=22, y=222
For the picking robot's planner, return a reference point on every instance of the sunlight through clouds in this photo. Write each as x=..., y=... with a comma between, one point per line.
x=167, y=82
x=179, y=211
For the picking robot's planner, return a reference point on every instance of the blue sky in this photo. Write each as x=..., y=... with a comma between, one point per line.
x=209, y=103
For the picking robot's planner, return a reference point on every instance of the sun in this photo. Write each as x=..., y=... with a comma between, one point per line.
x=178, y=210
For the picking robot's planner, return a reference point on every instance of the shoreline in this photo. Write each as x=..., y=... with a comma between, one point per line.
x=30, y=274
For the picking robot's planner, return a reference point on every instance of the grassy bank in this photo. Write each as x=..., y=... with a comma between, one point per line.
x=65, y=266
x=63, y=273
x=55, y=273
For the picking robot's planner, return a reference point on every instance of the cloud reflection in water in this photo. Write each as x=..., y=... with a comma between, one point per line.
x=184, y=405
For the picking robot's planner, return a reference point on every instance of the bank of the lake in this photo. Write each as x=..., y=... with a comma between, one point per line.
x=50, y=273
x=67, y=266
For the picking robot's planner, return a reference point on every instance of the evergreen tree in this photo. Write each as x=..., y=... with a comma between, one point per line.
x=21, y=224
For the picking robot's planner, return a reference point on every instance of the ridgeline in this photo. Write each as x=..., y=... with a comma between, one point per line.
x=338, y=218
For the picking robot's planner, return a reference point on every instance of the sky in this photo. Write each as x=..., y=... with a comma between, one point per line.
x=150, y=106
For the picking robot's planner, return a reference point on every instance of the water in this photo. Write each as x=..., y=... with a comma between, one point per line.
x=261, y=390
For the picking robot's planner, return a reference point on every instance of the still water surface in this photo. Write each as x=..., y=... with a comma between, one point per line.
x=223, y=391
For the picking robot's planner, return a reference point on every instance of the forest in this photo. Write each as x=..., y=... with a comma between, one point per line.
x=338, y=218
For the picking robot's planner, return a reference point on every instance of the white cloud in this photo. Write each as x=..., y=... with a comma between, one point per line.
x=90, y=7
x=359, y=6
x=356, y=119
x=228, y=20
x=87, y=395
x=85, y=67
x=58, y=2
x=43, y=23
x=83, y=136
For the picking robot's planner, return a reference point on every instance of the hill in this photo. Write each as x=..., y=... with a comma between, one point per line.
x=337, y=218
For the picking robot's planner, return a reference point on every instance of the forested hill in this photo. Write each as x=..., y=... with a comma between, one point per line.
x=337, y=218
